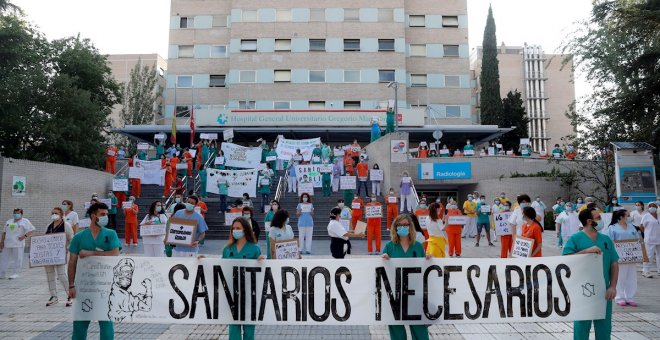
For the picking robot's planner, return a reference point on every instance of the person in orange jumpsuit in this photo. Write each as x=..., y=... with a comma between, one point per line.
x=174, y=161
x=187, y=156
x=506, y=241
x=198, y=156
x=356, y=211
x=136, y=184
x=392, y=210
x=374, y=226
x=355, y=151
x=349, y=164
x=423, y=150
x=363, y=176
x=131, y=223
x=453, y=230
x=532, y=229
x=121, y=198
x=110, y=159
x=422, y=213
x=169, y=178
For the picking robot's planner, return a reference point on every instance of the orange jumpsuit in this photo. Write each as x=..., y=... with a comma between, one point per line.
x=454, y=234
x=507, y=244
x=374, y=228
x=204, y=208
x=534, y=232
x=423, y=153
x=169, y=178
x=189, y=160
x=348, y=164
x=131, y=224
x=110, y=159
x=121, y=198
x=136, y=184
x=423, y=213
x=356, y=213
x=362, y=169
x=392, y=210
x=198, y=156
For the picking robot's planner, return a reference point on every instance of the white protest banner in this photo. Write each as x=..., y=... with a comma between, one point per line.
x=286, y=148
x=347, y=183
x=376, y=175
x=153, y=172
x=502, y=224
x=240, y=156
x=230, y=217
x=181, y=232
x=228, y=134
x=307, y=187
x=629, y=251
x=365, y=291
x=522, y=247
x=120, y=184
x=462, y=220
x=238, y=181
x=309, y=173
x=287, y=250
x=143, y=146
x=325, y=168
x=373, y=211
x=136, y=173
x=48, y=250
x=153, y=229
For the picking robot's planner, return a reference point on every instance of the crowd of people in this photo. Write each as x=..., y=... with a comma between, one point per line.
x=439, y=150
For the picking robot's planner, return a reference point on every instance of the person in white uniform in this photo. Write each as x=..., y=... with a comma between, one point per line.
x=651, y=228
x=339, y=243
x=12, y=243
x=153, y=244
x=516, y=220
x=567, y=222
x=621, y=229
x=539, y=207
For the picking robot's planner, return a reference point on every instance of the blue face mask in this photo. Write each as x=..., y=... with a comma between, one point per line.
x=524, y=205
x=103, y=221
x=402, y=231
x=190, y=207
x=237, y=234
x=17, y=216
x=629, y=219
x=600, y=225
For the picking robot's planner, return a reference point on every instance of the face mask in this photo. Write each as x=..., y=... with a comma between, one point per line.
x=373, y=199
x=569, y=208
x=103, y=221
x=470, y=198
x=341, y=205
x=305, y=199
x=580, y=201
x=245, y=198
x=391, y=192
x=190, y=207
x=177, y=200
x=507, y=208
x=614, y=201
x=538, y=199
x=502, y=196
x=629, y=219
x=497, y=202
x=524, y=205
x=422, y=205
x=54, y=217
x=482, y=200
x=600, y=225
x=638, y=208
x=65, y=207
x=237, y=234
x=653, y=210
x=95, y=197
x=451, y=206
x=17, y=216
x=248, y=216
x=402, y=231
x=159, y=208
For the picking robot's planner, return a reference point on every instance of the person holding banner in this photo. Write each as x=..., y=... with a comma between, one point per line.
x=392, y=211
x=621, y=229
x=591, y=241
x=531, y=228
x=160, y=150
x=613, y=206
x=557, y=152
x=188, y=158
x=264, y=188
x=304, y=211
x=483, y=220
x=280, y=230
x=112, y=212
x=136, y=185
x=292, y=182
x=422, y=212
x=58, y=225
x=375, y=182
x=189, y=213
x=468, y=149
x=374, y=212
x=223, y=192
x=470, y=210
x=131, y=223
x=220, y=160
x=153, y=244
x=651, y=230
x=363, y=175
x=274, y=207
x=339, y=236
x=453, y=230
x=405, y=191
x=437, y=241
x=169, y=178
x=349, y=163
x=356, y=210
x=403, y=245
x=110, y=159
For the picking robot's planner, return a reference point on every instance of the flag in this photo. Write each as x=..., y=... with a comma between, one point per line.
x=192, y=126
x=173, y=135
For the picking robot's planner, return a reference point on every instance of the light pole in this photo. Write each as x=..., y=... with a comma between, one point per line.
x=395, y=85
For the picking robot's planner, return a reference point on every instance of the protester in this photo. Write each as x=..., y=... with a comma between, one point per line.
x=264, y=190
x=188, y=158
x=587, y=241
x=468, y=149
x=189, y=213
x=374, y=226
x=470, y=210
x=274, y=207
x=356, y=211
x=437, y=241
x=392, y=212
x=304, y=211
x=336, y=175
x=345, y=214
x=419, y=234
x=178, y=199
x=532, y=229
x=453, y=230
x=326, y=183
x=280, y=230
x=57, y=225
x=557, y=152
x=444, y=152
x=154, y=244
x=96, y=240
x=355, y=151
x=110, y=159
x=12, y=243
x=516, y=220
x=375, y=184
x=637, y=214
x=403, y=245
x=339, y=236
x=651, y=230
x=540, y=207
x=70, y=216
x=362, y=177
x=112, y=212
x=422, y=213
x=406, y=194
x=483, y=220
x=169, y=178
x=223, y=192
x=246, y=201
x=526, y=150
x=292, y=182
x=248, y=214
x=579, y=203
x=203, y=176
x=621, y=229
x=613, y=206
x=131, y=223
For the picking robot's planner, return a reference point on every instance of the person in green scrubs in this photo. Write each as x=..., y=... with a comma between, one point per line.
x=160, y=149
x=97, y=240
x=274, y=207
x=202, y=181
x=591, y=241
x=403, y=245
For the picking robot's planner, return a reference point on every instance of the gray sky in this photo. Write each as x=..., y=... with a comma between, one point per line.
x=142, y=26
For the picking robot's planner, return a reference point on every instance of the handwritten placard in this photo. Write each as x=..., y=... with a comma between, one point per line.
x=461, y=220
x=391, y=199
x=491, y=151
x=306, y=188
x=423, y=221
x=48, y=250
x=376, y=175
x=231, y=216
x=406, y=179
x=522, y=247
x=347, y=183
x=468, y=152
x=373, y=211
x=502, y=224
x=120, y=184
x=271, y=158
x=360, y=227
x=629, y=251
x=153, y=229
x=135, y=172
x=485, y=208
x=219, y=160
x=127, y=205
x=143, y=146
x=287, y=250
x=356, y=205
x=228, y=134
x=326, y=168
x=306, y=208
x=181, y=232
x=209, y=136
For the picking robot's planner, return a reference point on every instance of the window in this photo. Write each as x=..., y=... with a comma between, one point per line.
x=186, y=22
x=386, y=44
x=248, y=45
x=450, y=50
x=186, y=51
x=452, y=81
x=250, y=16
x=352, y=104
x=318, y=105
x=317, y=76
x=281, y=105
x=219, y=51
x=283, y=15
x=453, y=111
x=352, y=45
x=449, y=21
x=217, y=80
x=317, y=45
x=247, y=77
x=246, y=104
x=317, y=14
x=385, y=76
x=417, y=21
x=220, y=20
x=418, y=80
x=385, y=14
x=282, y=76
x=417, y=50
x=351, y=76
x=282, y=44
x=183, y=110
x=184, y=81
x=351, y=14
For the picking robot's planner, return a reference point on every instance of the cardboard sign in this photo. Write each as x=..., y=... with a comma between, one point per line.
x=120, y=184
x=406, y=179
x=287, y=250
x=181, y=232
x=522, y=247
x=127, y=205
x=326, y=168
x=228, y=134
x=209, y=136
x=230, y=217
x=373, y=211
x=556, y=155
x=143, y=146
x=391, y=199
x=306, y=208
x=267, y=227
x=491, y=151
x=347, y=183
x=271, y=158
x=376, y=175
x=153, y=229
x=468, y=152
x=265, y=181
x=485, y=208
x=502, y=224
x=182, y=166
x=355, y=205
x=524, y=141
x=160, y=136
x=306, y=188
x=423, y=221
x=219, y=160
x=444, y=151
x=136, y=173
x=629, y=251
x=462, y=220
x=48, y=250
x=360, y=227
x=525, y=152
x=499, y=146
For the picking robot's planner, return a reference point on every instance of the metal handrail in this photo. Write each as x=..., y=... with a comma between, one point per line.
x=122, y=172
x=198, y=184
x=414, y=192
x=281, y=186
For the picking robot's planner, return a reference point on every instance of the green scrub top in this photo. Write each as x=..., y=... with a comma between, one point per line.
x=394, y=250
x=249, y=251
x=106, y=240
x=113, y=202
x=581, y=241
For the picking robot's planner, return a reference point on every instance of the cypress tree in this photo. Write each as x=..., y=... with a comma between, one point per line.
x=491, y=102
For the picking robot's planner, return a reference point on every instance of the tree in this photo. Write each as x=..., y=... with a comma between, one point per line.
x=140, y=95
x=490, y=100
x=513, y=115
x=9, y=8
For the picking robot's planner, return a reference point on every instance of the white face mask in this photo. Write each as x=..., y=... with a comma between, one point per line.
x=54, y=217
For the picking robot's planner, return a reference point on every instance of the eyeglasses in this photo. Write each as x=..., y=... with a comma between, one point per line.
x=403, y=224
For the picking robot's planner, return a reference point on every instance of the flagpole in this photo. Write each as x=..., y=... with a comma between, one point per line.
x=173, y=132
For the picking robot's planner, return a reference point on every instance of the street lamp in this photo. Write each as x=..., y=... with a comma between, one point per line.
x=395, y=85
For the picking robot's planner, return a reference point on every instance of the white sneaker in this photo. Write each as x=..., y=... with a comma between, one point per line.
x=644, y=274
x=15, y=276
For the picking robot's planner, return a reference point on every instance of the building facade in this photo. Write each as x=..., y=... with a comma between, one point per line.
x=310, y=55
x=546, y=85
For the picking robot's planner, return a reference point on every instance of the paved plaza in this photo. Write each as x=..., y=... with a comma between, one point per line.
x=24, y=315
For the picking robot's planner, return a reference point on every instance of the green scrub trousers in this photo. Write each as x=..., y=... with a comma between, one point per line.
x=106, y=328
x=602, y=328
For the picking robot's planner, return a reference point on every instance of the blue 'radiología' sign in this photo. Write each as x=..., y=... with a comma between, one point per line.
x=452, y=170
